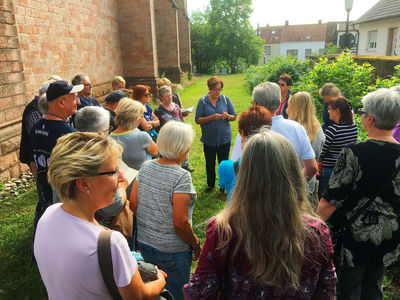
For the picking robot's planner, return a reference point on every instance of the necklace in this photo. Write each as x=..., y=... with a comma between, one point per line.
x=54, y=115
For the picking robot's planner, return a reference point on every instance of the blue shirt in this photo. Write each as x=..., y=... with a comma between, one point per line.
x=91, y=101
x=216, y=132
x=227, y=176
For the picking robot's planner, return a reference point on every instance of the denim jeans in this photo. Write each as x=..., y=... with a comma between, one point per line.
x=176, y=265
x=324, y=180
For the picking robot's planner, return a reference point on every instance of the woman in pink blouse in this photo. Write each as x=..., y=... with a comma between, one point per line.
x=266, y=244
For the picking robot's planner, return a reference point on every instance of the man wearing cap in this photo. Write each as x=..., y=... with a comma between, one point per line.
x=62, y=101
x=111, y=103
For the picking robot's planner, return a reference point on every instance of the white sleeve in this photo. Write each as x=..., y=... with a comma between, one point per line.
x=124, y=264
x=237, y=148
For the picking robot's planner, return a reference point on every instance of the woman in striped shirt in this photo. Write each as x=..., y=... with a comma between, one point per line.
x=337, y=136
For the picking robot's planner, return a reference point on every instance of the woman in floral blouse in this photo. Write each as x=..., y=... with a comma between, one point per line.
x=364, y=171
x=265, y=244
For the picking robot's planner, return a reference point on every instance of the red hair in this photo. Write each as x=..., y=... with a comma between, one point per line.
x=139, y=91
x=251, y=120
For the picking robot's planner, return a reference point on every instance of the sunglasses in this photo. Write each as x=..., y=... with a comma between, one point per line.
x=147, y=95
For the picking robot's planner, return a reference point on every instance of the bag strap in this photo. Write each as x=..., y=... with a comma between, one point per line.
x=105, y=263
x=366, y=205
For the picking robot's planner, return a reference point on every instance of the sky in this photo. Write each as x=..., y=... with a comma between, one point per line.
x=297, y=11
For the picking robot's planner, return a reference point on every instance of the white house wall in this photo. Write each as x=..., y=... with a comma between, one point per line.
x=301, y=48
x=275, y=51
x=382, y=28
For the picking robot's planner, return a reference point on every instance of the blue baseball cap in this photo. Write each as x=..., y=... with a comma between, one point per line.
x=60, y=88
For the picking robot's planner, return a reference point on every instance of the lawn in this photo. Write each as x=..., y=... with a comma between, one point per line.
x=19, y=279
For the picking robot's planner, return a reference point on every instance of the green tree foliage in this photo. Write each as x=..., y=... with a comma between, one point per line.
x=223, y=35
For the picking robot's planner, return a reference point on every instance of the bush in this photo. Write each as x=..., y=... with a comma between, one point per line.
x=274, y=68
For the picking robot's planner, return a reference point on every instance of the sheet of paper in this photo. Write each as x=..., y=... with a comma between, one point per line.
x=129, y=173
x=189, y=110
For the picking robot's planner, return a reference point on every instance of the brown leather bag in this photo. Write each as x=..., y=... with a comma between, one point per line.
x=123, y=222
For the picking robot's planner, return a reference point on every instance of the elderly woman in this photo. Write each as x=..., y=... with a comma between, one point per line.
x=265, y=244
x=328, y=92
x=301, y=109
x=138, y=145
x=150, y=121
x=83, y=170
x=167, y=110
x=175, y=96
x=342, y=133
x=250, y=121
x=213, y=113
x=365, y=185
x=163, y=199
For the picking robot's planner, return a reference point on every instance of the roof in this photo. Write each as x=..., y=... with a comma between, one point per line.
x=271, y=34
x=304, y=33
x=384, y=9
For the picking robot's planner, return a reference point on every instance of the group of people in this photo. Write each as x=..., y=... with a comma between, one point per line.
x=269, y=242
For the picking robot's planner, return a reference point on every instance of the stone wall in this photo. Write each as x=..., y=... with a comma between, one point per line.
x=101, y=38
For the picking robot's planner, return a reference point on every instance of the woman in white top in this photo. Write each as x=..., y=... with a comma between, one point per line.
x=83, y=170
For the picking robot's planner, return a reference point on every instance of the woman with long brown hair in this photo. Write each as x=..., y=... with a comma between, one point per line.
x=266, y=244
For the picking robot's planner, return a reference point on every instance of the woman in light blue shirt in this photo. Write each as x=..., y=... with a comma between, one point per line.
x=213, y=113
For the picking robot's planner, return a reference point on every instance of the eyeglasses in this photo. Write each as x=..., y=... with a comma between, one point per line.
x=88, y=84
x=217, y=90
x=147, y=95
x=108, y=173
x=362, y=112
x=282, y=84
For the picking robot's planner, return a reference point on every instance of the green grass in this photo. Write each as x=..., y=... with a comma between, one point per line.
x=19, y=279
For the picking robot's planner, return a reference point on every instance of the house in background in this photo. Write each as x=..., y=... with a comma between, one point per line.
x=379, y=29
x=303, y=40
x=336, y=29
x=272, y=36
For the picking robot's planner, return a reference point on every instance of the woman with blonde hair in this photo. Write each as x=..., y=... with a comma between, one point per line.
x=301, y=109
x=83, y=169
x=265, y=244
x=138, y=145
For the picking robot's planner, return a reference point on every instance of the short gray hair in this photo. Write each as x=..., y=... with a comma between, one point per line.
x=175, y=139
x=329, y=89
x=384, y=105
x=92, y=119
x=79, y=78
x=267, y=94
x=165, y=89
x=43, y=105
x=45, y=86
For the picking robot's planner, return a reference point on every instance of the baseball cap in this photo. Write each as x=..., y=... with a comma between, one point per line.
x=116, y=96
x=60, y=88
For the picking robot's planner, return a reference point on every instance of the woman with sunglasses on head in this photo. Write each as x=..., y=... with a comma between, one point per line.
x=284, y=82
x=138, y=145
x=83, y=170
x=150, y=121
x=364, y=197
x=337, y=136
x=213, y=113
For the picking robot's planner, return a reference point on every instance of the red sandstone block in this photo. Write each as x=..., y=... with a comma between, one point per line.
x=15, y=170
x=6, y=17
x=6, y=103
x=6, y=5
x=13, y=113
x=7, y=30
x=12, y=54
x=9, y=145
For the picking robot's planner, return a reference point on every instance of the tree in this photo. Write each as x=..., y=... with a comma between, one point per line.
x=235, y=39
x=223, y=35
x=203, y=51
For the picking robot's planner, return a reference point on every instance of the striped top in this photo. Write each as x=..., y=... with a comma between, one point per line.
x=336, y=138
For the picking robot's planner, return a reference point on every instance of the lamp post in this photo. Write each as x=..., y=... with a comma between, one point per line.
x=348, y=4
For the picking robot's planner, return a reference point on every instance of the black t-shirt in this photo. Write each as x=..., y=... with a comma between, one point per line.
x=44, y=137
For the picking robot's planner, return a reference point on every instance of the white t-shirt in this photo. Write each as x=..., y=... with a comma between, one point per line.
x=65, y=249
x=291, y=130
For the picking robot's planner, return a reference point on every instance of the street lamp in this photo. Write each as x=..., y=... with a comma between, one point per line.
x=347, y=40
x=348, y=4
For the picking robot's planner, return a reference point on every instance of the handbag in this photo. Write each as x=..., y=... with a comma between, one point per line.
x=123, y=221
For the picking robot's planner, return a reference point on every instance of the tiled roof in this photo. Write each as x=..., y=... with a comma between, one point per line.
x=271, y=34
x=304, y=33
x=384, y=9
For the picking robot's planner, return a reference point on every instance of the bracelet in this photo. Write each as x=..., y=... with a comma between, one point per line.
x=197, y=247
